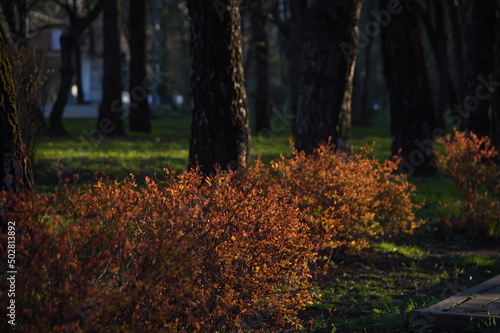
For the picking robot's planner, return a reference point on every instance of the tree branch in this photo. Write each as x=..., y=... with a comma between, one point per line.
x=85, y=21
x=31, y=5
x=64, y=5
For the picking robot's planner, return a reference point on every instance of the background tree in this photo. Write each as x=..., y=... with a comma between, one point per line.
x=457, y=36
x=363, y=85
x=110, y=121
x=434, y=18
x=297, y=8
x=173, y=36
x=481, y=56
x=412, y=111
x=260, y=10
x=69, y=41
x=219, y=131
x=324, y=108
x=15, y=172
x=140, y=111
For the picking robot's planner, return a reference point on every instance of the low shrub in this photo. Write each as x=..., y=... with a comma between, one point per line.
x=470, y=162
x=183, y=254
x=349, y=199
x=191, y=253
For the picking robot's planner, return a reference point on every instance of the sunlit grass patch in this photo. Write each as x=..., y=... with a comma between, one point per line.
x=405, y=250
x=479, y=260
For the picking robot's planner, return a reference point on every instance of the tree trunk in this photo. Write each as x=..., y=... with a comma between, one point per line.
x=435, y=24
x=69, y=40
x=15, y=171
x=324, y=108
x=496, y=116
x=140, y=111
x=478, y=111
x=67, y=71
x=219, y=132
x=412, y=109
x=260, y=42
x=110, y=122
x=366, y=107
x=80, y=96
x=362, y=112
x=297, y=9
x=458, y=50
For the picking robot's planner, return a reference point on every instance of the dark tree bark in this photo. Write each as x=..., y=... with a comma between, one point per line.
x=67, y=71
x=15, y=171
x=458, y=49
x=366, y=107
x=434, y=20
x=219, y=131
x=80, y=98
x=259, y=10
x=481, y=50
x=297, y=9
x=140, y=111
x=69, y=40
x=496, y=116
x=110, y=122
x=324, y=108
x=412, y=110
x=362, y=111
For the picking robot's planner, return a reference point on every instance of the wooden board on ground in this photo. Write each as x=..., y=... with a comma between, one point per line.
x=479, y=305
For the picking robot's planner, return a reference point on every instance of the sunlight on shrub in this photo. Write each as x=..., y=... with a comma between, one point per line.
x=190, y=253
x=185, y=254
x=469, y=161
x=349, y=199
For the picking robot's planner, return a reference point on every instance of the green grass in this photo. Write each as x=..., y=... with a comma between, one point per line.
x=166, y=147
x=378, y=136
x=404, y=250
x=479, y=261
x=85, y=152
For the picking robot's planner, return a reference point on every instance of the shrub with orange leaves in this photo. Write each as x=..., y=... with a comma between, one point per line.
x=187, y=253
x=191, y=253
x=349, y=199
x=469, y=160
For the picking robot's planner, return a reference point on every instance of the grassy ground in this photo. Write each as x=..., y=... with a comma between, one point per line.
x=166, y=147
x=374, y=290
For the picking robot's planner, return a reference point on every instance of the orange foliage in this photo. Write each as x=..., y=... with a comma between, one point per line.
x=185, y=254
x=469, y=160
x=198, y=254
x=349, y=199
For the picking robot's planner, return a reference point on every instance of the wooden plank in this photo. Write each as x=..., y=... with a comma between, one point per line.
x=474, y=305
